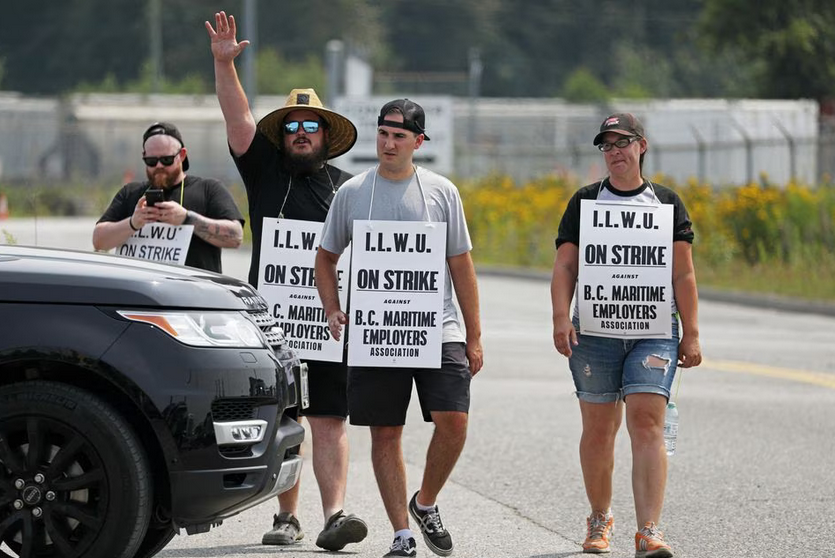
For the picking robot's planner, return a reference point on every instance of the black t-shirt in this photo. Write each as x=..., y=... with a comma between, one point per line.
x=206, y=196
x=569, y=230
x=267, y=179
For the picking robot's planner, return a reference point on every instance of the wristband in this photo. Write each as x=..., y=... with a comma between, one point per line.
x=130, y=223
x=189, y=217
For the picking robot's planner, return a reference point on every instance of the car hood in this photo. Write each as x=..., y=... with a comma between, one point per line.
x=55, y=276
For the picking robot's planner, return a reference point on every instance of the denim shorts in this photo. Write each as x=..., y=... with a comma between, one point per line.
x=606, y=369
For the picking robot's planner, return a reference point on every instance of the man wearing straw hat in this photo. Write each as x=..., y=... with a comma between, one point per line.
x=283, y=163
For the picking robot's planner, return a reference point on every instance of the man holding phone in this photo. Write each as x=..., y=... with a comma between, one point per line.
x=170, y=196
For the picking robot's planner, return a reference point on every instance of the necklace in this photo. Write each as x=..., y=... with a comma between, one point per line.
x=290, y=187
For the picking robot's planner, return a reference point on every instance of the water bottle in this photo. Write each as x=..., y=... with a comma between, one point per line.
x=670, y=428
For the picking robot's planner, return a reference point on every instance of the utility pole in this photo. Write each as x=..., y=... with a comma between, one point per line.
x=250, y=33
x=334, y=62
x=155, y=26
x=474, y=90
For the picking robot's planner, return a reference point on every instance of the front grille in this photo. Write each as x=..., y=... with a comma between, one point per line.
x=286, y=356
x=235, y=451
x=263, y=320
x=274, y=338
x=230, y=410
x=266, y=322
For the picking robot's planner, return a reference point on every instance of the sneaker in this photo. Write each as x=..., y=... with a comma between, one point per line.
x=600, y=527
x=649, y=543
x=340, y=530
x=286, y=530
x=402, y=547
x=437, y=538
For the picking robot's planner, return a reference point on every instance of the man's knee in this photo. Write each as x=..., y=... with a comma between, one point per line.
x=450, y=423
x=326, y=429
x=386, y=435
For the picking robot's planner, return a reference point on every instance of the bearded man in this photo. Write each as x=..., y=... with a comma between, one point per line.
x=182, y=199
x=283, y=162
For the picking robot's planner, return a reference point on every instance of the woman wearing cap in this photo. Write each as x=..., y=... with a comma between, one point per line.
x=614, y=368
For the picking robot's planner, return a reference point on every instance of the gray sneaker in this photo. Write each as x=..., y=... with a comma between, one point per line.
x=286, y=530
x=340, y=530
x=437, y=538
x=402, y=547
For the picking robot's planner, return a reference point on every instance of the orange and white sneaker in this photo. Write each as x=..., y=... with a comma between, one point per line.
x=649, y=543
x=601, y=526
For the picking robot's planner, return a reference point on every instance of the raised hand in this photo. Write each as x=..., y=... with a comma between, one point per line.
x=225, y=46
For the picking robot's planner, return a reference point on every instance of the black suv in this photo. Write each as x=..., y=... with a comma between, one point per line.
x=135, y=399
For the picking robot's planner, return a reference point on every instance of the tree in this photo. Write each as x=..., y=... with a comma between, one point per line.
x=50, y=46
x=582, y=87
x=277, y=75
x=792, y=44
x=528, y=48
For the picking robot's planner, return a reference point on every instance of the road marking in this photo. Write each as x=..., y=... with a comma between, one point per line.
x=816, y=378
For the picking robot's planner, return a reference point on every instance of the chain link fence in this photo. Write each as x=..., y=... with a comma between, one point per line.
x=98, y=138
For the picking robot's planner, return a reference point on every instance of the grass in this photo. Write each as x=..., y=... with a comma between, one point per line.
x=806, y=279
x=505, y=234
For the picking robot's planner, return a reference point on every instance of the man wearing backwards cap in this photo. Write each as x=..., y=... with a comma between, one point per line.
x=379, y=397
x=191, y=200
x=283, y=163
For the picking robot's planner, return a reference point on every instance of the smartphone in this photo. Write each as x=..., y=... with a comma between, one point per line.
x=153, y=197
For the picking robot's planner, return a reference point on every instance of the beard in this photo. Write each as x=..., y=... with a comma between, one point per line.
x=162, y=178
x=302, y=164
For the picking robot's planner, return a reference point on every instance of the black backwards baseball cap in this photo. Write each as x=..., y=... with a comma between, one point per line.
x=165, y=129
x=414, y=119
x=620, y=123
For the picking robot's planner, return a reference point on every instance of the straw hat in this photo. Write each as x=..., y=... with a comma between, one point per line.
x=342, y=133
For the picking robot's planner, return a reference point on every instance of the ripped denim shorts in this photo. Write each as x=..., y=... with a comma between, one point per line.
x=606, y=369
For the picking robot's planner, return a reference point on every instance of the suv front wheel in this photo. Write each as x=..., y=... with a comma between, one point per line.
x=74, y=480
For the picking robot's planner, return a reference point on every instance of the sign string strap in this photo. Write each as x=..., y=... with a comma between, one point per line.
x=649, y=182
x=290, y=187
x=420, y=187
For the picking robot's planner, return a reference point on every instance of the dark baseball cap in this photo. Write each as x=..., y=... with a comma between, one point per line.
x=414, y=118
x=165, y=129
x=620, y=123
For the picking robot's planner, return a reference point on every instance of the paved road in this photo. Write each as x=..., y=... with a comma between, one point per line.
x=753, y=475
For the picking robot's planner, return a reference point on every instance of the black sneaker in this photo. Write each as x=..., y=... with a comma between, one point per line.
x=286, y=530
x=340, y=530
x=402, y=547
x=437, y=538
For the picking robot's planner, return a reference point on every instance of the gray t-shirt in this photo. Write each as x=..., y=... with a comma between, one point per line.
x=402, y=201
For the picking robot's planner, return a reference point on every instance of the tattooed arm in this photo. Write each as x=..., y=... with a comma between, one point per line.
x=223, y=233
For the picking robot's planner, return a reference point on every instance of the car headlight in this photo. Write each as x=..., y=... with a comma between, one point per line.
x=203, y=329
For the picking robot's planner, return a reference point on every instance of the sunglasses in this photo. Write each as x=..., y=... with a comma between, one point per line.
x=620, y=144
x=309, y=126
x=166, y=160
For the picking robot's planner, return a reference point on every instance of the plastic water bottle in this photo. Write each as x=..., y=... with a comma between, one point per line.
x=670, y=428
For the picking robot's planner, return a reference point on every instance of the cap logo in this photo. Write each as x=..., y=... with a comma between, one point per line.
x=302, y=99
x=611, y=122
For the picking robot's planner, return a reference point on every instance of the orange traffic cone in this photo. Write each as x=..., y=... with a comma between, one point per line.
x=4, y=207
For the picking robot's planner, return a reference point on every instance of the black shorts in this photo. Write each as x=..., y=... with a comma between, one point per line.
x=327, y=384
x=380, y=396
